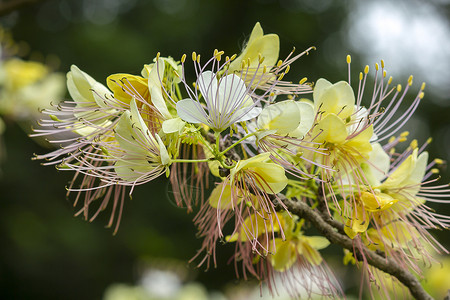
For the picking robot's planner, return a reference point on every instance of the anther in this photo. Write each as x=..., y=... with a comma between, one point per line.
x=366, y=69
x=303, y=80
x=438, y=161
x=410, y=80
x=183, y=58
x=349, y=59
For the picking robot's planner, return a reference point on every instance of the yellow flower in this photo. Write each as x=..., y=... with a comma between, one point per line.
x=259, y=46
x=267, y=175
x=21, y=73
x=286, y=252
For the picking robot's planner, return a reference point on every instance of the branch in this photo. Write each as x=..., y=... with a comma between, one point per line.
x=10, y=6
x=385, y=264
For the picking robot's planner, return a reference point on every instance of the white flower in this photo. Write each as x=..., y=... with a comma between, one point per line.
x=227, y=101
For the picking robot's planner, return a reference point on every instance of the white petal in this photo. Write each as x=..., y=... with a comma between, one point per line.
x=191, y=111
x=207, y=83
x=231, y=95
x=245, y=114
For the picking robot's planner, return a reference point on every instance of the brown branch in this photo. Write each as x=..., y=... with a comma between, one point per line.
x=13, y=5
x=378, y=260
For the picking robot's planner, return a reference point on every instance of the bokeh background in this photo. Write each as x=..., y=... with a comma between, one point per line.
x=47, y=253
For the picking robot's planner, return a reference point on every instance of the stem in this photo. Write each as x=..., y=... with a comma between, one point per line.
x=237, y=143
x=190, y=160
x=205, y=143
x=217, y=136
x=177, y=90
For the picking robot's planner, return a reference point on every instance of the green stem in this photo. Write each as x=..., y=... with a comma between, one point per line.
x=204, y=142
x=177, y=90
x=237, y=143
x=217, y=136
x=190, y=160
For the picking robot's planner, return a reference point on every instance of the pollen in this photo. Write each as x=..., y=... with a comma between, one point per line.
x=287, y=69
x=366, y=69
x=54, y=118
x=261, y=58
x=410, y=80
x=439, y=161
x=404, y=134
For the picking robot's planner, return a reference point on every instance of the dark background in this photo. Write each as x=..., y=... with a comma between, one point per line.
x=46, y=253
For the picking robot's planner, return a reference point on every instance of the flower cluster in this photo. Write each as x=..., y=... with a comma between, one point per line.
x=265, y=142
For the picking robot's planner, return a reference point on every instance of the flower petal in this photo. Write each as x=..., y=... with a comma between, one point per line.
x=191, y=111
x=284, y=117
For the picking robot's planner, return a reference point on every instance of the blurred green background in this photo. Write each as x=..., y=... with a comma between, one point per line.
x=46, y=253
